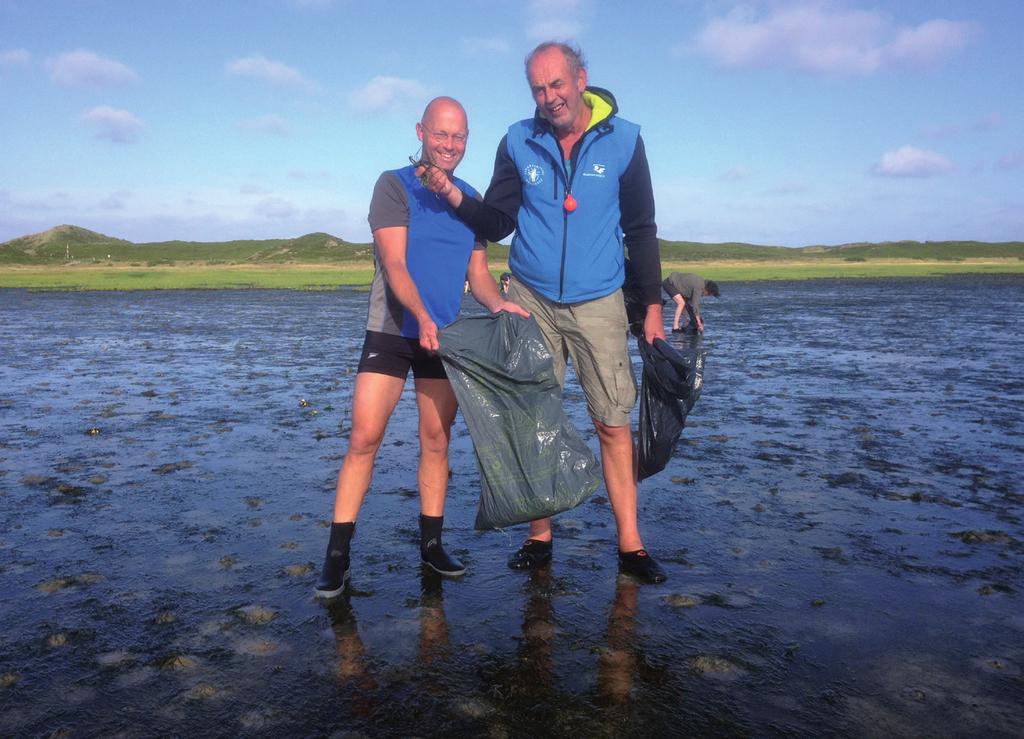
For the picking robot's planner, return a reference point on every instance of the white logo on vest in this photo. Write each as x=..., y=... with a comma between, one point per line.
x=534, y=174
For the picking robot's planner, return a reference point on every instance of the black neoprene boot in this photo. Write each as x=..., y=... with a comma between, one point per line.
x=431, y=551
x=336, y=569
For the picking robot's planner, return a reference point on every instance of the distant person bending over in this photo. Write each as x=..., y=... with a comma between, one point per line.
x=422, y=256
x=686, y=289
x=574, y=183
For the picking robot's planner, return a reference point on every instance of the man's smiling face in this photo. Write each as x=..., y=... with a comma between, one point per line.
x=556, y=90
x=443, y=132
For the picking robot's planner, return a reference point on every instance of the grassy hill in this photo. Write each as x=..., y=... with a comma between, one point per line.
x=88, y=247
x=941, y=250
x=53, y=246
x=683, y=251
x=690, y=251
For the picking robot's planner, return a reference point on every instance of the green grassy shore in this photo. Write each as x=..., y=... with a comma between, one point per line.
x=73, y=258
x=328, y=277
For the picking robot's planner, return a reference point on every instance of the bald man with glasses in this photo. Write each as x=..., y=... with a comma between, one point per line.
x=422, y=255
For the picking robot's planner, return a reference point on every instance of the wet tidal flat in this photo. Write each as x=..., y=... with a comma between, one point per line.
x=841, y=525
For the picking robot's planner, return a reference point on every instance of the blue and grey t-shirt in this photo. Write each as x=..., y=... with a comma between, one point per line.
x=437, y=253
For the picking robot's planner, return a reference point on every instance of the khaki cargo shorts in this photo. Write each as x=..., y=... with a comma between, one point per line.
x=595, y=334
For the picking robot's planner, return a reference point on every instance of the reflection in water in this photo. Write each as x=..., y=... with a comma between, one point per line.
x=538, y=631
x=353, y=667
x=368, y=682
x=434, y=641
x=618, y=661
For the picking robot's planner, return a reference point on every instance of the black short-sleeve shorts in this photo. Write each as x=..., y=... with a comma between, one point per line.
x=389, y=354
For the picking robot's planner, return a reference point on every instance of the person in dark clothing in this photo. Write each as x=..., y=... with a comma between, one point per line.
x=686, y=290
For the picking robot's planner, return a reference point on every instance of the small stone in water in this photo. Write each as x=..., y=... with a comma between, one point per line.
x=678, y=600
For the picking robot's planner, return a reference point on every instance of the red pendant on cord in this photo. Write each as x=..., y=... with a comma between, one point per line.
x=569, y=203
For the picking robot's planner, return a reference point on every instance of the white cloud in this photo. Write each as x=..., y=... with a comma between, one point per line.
x=930, y=42
x=784, y=189
x=554, y=30
x=943, y=131
x=1013, y=160
x=909, y=161
x=117, y=126
x=83, y=68
x=988, y=122
x=260, y=68
x=735, y=174
x=276, y=208
x=554, y=20
x=315, y=176
x=484, y=46
x=819, y=38
x=202, y=213
x=45, y=202
x=114, y=201
x=271, y=124
x=14, y=58
x=387, y=93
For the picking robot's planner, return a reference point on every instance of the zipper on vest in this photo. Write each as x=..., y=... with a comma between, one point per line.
x=574, y=156
x=565, y=241
x=565, y=224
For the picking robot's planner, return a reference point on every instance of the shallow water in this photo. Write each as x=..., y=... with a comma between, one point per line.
x=841, y=524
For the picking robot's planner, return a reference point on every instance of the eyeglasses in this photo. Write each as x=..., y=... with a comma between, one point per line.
x=440, y=137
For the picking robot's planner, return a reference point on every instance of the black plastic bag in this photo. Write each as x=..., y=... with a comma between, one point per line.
x=672, y=381
x=533, y=463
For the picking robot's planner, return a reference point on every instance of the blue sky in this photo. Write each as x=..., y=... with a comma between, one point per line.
x=785, y=122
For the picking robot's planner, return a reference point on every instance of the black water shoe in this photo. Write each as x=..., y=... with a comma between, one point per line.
x=436, y=558
x=531, y=555
x=642, y=566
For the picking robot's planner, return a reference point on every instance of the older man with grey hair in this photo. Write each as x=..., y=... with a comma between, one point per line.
x=574, y=183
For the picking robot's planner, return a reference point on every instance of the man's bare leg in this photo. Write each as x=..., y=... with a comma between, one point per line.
x=437, y=407
x=373, y=402
x=540, y=529
x=617, y=464
x=620, y=480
